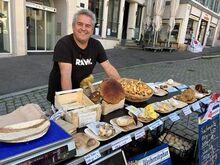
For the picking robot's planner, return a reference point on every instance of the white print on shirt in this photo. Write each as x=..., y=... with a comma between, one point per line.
x=83, y=62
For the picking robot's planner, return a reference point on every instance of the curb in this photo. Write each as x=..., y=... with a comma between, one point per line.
x=22, y=92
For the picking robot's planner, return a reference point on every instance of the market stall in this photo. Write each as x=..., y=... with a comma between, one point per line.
x=126, y=125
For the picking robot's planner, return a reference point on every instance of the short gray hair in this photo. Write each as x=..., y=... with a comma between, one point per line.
x=86, y=12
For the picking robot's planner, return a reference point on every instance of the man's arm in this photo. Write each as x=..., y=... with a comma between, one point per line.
x=65, y=72
x=110, y=70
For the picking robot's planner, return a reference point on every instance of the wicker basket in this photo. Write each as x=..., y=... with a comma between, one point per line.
x=135, y=84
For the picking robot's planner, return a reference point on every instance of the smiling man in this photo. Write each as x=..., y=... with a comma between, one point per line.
x=75, y=56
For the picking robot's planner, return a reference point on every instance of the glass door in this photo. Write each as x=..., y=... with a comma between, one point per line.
x=40, y=29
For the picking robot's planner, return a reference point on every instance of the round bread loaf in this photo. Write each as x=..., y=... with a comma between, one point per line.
x=111, y=91
x=124, y=121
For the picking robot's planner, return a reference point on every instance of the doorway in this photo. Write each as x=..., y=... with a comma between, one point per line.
x=138, y=22
x=202, y=31
x=125, y=21
x=40, y=24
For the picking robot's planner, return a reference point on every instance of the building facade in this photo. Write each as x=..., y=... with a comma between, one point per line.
x=194, y=19
x=36, y=25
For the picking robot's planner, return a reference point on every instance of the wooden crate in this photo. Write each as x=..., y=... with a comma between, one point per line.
x=80, y=109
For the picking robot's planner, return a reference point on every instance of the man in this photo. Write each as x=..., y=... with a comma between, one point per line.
x=75, y=56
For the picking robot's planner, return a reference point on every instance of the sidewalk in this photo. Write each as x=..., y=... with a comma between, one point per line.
x=21, y=73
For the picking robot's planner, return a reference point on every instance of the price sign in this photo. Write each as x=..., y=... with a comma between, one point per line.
x=187, y=111
x=121, y=142
x=140, y=133
x=171, y=89
x=206, y=100
x=155, y=124
x=196, y=106
x=92, y=156
x=174, y=117
x=181, y=86
x=133, y=110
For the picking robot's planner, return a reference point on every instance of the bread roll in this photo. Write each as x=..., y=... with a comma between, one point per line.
x=124, y=121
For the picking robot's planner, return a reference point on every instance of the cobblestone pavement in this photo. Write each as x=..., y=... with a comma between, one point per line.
x=205, y=71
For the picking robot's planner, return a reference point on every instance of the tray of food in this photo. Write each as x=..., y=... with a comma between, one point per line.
x=177, y=103
x=164, y=107
x=126, y=123
x=187, y=96
x=84, y=143
x=159, y=92
x=200, y=90
x=147, y=114
x=136, y=90
x=102, y=131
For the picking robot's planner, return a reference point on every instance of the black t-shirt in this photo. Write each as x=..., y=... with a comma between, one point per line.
x=83, y=62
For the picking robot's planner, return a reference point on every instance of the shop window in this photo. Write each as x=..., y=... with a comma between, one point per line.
x=97, y=7
x=4, y=28
x=163, y=34
x=113, y=18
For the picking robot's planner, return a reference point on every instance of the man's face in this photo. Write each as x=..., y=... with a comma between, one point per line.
x=83, y=28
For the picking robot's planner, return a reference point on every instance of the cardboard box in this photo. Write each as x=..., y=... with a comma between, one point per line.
x=80, y=109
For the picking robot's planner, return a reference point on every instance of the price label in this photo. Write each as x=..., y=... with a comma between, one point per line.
x=133, y=110
x=92, y=156
x=140, y=133
x=196, y=106
x=181, y=86
x=121, y=142
x=174, y=117
x=206, y=100
x=155, y=124
x=171, y=89
x=187, y=111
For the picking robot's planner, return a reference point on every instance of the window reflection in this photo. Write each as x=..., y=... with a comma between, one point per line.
x=113, y=18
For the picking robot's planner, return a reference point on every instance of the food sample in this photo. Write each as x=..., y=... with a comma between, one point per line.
x=201, y=89
x=106, y=130
x=91, y=142
x=84, y=143
x=170, y=81
x=136, y=90
x=187, y=95
x=95, y=97
x=175, y=141
x=125, y=121
x=86, y=82
x=111, y=91
x=149, y=113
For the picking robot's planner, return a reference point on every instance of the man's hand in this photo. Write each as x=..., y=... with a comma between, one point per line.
x=110, y=70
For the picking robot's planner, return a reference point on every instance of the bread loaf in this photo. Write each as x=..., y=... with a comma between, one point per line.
x=124, y=121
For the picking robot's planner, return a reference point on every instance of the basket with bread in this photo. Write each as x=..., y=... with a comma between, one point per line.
x=136, y=90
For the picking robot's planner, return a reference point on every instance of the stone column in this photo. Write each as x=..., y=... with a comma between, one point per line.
x=104, y=19
x=18, y=28
x=121, y=16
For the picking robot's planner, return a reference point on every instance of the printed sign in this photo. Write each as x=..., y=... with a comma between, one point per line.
x=92, y=156
x=157, y=156
x=121, y=142
x=209, y=145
